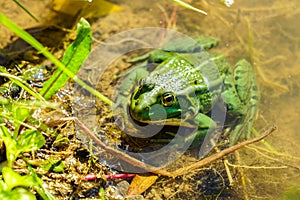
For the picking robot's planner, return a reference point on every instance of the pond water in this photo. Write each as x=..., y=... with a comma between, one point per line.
x=267, y=33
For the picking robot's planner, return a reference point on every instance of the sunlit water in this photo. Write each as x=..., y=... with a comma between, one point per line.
x=268, y=35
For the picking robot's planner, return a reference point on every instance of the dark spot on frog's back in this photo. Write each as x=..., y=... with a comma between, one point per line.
x=196, y=82
x=255, y=98
x=254, y=88
x=227, y=85
x=143, y=89
x=213, y=45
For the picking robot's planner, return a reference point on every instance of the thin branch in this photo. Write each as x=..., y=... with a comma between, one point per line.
x=221, y=154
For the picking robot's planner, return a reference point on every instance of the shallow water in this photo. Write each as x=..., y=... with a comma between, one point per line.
x=271, y=41
x=266, y=33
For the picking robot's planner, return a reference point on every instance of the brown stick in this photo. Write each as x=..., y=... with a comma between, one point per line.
x=221, y=154
x=121, y=155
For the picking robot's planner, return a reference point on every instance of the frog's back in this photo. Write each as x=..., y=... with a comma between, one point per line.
x=175, y=74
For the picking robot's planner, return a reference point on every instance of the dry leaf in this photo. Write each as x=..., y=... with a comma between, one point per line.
x=141, y=183
x=93, y=9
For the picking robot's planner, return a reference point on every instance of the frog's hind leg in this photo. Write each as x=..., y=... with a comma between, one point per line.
x=246, y=89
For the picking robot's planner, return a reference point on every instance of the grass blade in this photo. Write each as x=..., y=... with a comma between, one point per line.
x=188, y=6
x=27, y=11
x=74, y=56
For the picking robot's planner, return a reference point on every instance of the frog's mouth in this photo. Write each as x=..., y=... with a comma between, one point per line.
x=154, y=114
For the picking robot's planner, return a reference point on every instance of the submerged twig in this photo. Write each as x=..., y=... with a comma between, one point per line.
x=243, y=177
x=221, y=154
x=121, y=155
x=257, y=167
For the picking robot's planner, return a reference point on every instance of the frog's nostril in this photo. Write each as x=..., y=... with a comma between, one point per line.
x=147, y=108
x=137, y=102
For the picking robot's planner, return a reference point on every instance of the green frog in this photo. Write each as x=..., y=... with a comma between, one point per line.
x=181, y=82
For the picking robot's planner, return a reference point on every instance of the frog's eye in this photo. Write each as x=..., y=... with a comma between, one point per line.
x=168, y=99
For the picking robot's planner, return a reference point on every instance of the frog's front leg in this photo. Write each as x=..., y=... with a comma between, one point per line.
x=241, y=96
x=205, y=124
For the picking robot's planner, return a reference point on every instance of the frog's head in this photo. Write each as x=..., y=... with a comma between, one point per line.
x=152, y=104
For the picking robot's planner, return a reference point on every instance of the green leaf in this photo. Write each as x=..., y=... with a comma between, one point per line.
x=13, y=179
x=53, y=163
x=3, y=186
x=12, y=151
x=74, y=56
x=59, y=167
x=18, y=193
x=40, y=187
x=86, y=9
x=30, y=140
x=22, y=194
x=20, y=113
x=15, y=186
x=4, y=131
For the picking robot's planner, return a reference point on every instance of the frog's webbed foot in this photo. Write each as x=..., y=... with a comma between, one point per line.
x=191, y=45
x=139, y=58
x=155, y=56
x=180, y=45
x=205, y=124
x=243, y=129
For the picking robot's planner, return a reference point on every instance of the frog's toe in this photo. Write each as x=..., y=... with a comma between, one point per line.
x=240, y=131
x=235, y=134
